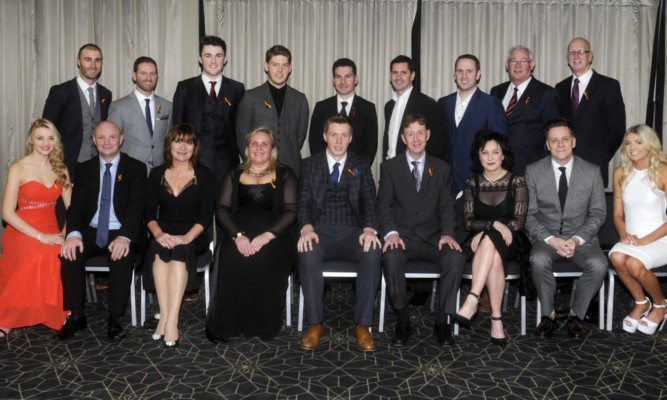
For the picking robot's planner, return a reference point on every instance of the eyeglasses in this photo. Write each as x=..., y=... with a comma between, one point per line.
x=577, y=52
x=522, y=62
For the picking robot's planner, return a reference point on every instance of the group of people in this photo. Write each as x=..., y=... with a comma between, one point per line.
x=149, y=174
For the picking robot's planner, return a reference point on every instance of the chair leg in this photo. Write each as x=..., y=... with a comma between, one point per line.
x=288, y=302
x=601, y=308
x=89, y=296
x=523, y=314
x=574, y=289
x=433, y=291
x=538, y=313
x=516, y=299
x=143, y=301
x=133, y=300
x=507, y=294
x=207, y=285
x=93, y=288
x=383, y=295
x=458, y=304
x=610, y=299
x=300, y=323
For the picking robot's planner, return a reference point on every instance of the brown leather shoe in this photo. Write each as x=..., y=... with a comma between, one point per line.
x=194, y=296
x=364, y=338
x=312, y=338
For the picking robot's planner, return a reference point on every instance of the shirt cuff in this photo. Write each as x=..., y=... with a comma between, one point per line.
x=547, y=239
x=74, y=234
x=389, y=234
x=581, y=240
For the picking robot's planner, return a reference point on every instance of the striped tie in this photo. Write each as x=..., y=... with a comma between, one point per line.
x=512, y=105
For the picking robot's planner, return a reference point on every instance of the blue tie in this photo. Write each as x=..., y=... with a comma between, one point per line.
x=148, y=117
x=335, y=174
x=105, y=209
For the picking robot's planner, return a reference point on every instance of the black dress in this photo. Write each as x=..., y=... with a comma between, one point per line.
x=504, y=200
x=250, y=291
x=176, y=215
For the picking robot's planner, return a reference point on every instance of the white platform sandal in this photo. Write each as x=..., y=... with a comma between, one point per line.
x=651, y=327
x=630, y=324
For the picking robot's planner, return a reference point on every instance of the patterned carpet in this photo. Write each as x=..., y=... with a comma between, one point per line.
x=603, y=365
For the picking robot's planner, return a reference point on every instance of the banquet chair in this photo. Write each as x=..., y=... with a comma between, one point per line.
x=99, y=263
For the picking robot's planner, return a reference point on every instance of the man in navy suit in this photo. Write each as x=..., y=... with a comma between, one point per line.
x=528, y=104
x=417, y=220
x=209, y=103
x=338, y=218
x=359, y=110
x=105, y=217
x=77, y=106
x=594, y=105
x=464, y=113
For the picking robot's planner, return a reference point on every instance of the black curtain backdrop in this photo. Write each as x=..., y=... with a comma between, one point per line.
x=416, y=45
x=655, y=104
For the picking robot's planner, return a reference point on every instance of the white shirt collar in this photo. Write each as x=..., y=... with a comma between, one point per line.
x=404, y=96
x=331, y=161
x=349, y=101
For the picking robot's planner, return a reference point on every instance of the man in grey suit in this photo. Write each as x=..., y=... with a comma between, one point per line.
x=143, y=117
x=566, y=209
x=417, y=220
x=277, y=106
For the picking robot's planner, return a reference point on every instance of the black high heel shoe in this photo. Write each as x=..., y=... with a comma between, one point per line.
x=156, y=336
x=466, y=322
x=172, y=344
x=498, y=341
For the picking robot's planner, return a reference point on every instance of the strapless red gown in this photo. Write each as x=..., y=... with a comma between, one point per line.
x=31, y=292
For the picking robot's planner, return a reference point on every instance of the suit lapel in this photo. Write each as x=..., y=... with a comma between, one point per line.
x=470, y=112
x=574, y=185
x=549, y=182
x=589, y=92
x=268, y=99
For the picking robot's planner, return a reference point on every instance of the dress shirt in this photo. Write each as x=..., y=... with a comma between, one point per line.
x=207, y=83
x=83, y=85
x=142, y=102
x=348, y=108
x=409, y=160
x=396, y=119
x=331, y=161
x=461, y=106
x=510, y=92
x=583, y=82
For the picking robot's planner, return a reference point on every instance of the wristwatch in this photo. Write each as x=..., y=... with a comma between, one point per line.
x=238, y=235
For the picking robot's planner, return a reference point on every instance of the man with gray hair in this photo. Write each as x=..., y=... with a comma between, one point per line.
x=528, y=104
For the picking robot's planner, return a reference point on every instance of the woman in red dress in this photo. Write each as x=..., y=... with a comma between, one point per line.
x=30, y=288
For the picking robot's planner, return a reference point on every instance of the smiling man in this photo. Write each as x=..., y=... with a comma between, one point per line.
x=360, y=111
x=142, y=116
x=528, y=104
x=277, y=106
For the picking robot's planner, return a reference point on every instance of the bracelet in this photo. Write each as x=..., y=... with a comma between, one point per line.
x=238, y=235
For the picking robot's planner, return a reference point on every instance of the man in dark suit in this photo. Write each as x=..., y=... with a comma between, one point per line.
x=464, y=113
x=359, y=110
x=76, y=107
x=407, y=101
x=104, y=217
x=528, y=104
x=338, y=218
x=566, y=209
x=417, y=220
x=142, y=116
x=593, y=103
x=277, y=106
x=209, y=102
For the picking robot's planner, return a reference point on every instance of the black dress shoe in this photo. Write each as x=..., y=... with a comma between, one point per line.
x=575, y=326
x=443, y=334
x=403, y=331
x=116, y=330
x=546, y=326
x=70, y=327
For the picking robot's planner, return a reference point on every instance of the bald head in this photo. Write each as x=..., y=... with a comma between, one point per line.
x=107, y=139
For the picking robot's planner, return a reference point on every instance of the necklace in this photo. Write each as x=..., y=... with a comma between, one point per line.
x=502, y=173
x=259, y=174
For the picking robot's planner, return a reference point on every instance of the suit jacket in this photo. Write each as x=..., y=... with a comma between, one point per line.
x=189, y=100
x=128, y=114
x=537, y=105
x=290, y=129
x=418, y=103
x=364, y=126
x=599, y=122
x=63, y=108
x=356, y=177
x=585, y=207
x=128, y=196
x=483, y=112
x=427, y=214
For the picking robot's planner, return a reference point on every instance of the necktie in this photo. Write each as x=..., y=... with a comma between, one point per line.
x=211, y=93
x=105, y=209
x=148, y=117
x=512, y=103
x=91, y=99
x=562, y=188
x=415, y=173
x=335, y=174
x=343, y=104
x=575, y=95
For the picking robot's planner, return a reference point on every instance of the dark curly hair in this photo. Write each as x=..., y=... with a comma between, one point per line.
x=481, y=139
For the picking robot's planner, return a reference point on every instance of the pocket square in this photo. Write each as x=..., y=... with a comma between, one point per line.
x=162, y=117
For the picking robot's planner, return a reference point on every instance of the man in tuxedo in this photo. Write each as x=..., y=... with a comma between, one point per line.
x=417, y=220
x=278, y=107
x=594, y=105
x=566, y=209
x=464, y=113
x=338, y=218
x=77, y=106
x=359, y=110
x=528, y=104
x=209, y=102
x=407, y=101
x=104, y=217
x=142, y=116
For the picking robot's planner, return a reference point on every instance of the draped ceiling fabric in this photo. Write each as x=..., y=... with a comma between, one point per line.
x=40, y=39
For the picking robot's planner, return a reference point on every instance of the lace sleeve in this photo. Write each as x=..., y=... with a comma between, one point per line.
x=520, y=189
x=470, y=222
x=223, y=205
x=288, y=209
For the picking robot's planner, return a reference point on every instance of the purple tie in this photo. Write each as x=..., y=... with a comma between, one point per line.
x=575, y=95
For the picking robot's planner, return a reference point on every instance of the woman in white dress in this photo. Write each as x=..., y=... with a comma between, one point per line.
x=639, y=217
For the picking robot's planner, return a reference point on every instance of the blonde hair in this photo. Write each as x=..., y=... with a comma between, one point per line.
x=56, y=156
x=655, y=155
x=273, y=161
